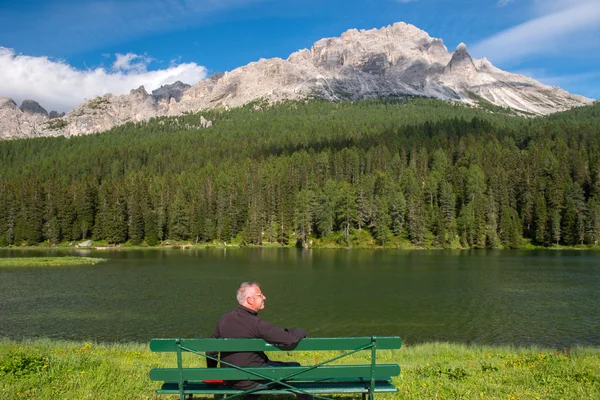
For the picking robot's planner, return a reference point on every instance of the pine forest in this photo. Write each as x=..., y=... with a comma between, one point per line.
x=393, y=173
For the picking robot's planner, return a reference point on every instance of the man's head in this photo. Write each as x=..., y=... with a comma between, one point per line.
x=250, y=296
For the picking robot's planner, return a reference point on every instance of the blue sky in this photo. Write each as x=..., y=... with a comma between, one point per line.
x=59, y=52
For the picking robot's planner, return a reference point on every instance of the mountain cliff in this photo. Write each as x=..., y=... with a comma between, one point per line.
x=398, y=60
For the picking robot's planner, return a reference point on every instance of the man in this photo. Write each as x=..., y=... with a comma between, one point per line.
x=244, y=322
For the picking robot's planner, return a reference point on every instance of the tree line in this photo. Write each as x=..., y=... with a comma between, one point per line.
x=420, y=172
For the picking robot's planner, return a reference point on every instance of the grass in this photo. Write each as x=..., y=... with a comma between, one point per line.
x=47, y=261
x=47, y=369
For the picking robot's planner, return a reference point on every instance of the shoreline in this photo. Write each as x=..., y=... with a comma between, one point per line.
x=190, y=246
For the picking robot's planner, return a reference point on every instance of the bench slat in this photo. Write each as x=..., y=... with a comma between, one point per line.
x=307, y=344
x=338, y=371
x=317, y=388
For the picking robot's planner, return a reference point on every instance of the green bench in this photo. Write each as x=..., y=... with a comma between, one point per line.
x=318, y=380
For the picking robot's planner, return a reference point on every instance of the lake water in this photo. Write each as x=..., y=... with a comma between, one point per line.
x=548, y=298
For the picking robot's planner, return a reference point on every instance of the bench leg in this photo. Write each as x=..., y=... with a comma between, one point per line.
x=364, y=396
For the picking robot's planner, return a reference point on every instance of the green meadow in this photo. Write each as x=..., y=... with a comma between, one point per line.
x=48, y=369
x=47, y=261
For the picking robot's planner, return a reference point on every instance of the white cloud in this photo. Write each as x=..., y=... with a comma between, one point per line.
x=559, y=27
x=131, y=62
x=58, y=86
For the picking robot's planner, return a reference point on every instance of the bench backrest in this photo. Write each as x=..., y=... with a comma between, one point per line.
x=307, y=344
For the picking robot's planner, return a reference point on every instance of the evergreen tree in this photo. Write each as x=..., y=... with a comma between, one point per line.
x=415, y=208
x=86, y=209
x=483, y=212
x=346, y=210
x=115, y=230
x=574, y=215
x=510, y=228
x=491, y=227
x=304, y=207
x=555, y=230
x=135, y=211
x=447, y=205
x=325, y=208
x=397, y=209
x=542, y=235
x=381, y=225
x=593, y=221
x=180, y=217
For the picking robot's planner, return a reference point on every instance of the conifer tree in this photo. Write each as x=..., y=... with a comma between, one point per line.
x=346, y=210
x=382, y=222
x=304, y=208
x=325, y=208
x=397, y=209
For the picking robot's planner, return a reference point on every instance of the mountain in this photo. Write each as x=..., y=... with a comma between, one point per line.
x=395, y=61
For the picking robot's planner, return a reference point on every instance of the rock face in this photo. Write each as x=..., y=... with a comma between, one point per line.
x=398, y=60
x=15, y=123
x=33, y=107
x=55, y=114
x=172, y=91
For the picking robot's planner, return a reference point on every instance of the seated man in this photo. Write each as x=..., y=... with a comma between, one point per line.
x=244, y=322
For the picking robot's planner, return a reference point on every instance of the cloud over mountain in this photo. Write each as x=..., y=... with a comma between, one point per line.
x=58, y=86
x=555, y=28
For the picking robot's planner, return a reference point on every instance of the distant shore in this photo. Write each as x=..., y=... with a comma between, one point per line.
x=175, y=245
x=50, y=369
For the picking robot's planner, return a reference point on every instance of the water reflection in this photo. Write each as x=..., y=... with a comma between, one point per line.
x=535, y=297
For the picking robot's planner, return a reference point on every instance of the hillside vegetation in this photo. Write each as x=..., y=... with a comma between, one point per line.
x=370, y=173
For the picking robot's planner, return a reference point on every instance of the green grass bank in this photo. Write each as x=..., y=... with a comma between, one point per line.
x=47, y=261
x=48, y=369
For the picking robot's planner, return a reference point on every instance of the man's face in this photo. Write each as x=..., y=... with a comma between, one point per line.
x=257, y=299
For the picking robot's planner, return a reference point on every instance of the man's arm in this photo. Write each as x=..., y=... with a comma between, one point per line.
x=274, y=334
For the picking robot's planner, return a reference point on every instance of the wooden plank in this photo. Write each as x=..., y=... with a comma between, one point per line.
x=307, y=344
x=333, y=371
x=318, y=388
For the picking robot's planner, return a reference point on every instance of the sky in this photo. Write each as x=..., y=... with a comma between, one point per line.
x=59, y=52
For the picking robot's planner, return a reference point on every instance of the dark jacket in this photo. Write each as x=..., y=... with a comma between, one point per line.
x=245, y=323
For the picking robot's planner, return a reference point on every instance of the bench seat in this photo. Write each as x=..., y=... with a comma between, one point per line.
x=343, y=387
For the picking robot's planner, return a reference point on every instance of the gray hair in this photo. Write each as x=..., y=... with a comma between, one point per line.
x=242, y=292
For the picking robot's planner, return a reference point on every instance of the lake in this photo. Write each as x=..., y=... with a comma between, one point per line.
x=516, y=297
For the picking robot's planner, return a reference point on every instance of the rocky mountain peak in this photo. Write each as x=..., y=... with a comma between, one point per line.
x=55, y=114
x=140, y=92
x=437, y=49
x=172, y=91
x=7, y=103
x=461, y=48
x=33, y=107
x=396, y=60
x=461, y=64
